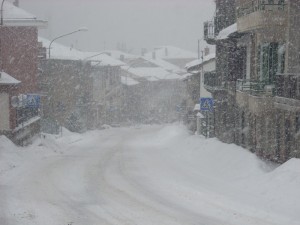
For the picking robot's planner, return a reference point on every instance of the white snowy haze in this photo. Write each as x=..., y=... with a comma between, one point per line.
x=134, y=23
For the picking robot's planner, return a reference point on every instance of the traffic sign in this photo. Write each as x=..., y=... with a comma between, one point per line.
x=206, y=104
x=33, y=100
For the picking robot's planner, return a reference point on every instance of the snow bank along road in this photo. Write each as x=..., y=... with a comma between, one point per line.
x=158, y=175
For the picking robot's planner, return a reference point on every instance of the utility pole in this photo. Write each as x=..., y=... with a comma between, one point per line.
x=198, y=48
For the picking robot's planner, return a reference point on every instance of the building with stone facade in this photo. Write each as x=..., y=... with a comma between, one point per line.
x=259, y=107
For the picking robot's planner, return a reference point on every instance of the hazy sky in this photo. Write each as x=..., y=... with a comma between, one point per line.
x=138, y=23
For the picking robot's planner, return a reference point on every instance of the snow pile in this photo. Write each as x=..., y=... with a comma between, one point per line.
x=8, y=155
x=208, y=176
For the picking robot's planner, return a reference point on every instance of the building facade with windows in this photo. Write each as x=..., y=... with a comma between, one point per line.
x=19, y=60
x=264, y=126
x=260, y=100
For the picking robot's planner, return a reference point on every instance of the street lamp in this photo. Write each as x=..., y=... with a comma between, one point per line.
x=97, y=105
x=80, y=29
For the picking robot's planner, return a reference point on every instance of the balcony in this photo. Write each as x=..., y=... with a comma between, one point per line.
x=213, y=82
x=254, y=95
x=255, y=87
x=287, y=92
x=257, y=14
x=209, y=32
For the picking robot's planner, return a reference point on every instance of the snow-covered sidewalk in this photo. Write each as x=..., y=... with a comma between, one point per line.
x=142, y=176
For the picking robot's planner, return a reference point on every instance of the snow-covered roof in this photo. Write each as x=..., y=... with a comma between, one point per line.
x=185, y=76
x=198, y=62
x=118, y=54
x=128, y=81
x=102, y=59
x=15, y=16
x=6, y=79
x=59, y=51
x=165, y=65
x=152, y=73
x=171, y=52
x=225, y=33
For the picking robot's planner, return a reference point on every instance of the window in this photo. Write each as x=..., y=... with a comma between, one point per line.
x=268, y=62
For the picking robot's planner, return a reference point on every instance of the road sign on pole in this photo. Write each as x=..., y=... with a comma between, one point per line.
x=206, y=104
x=33, y=100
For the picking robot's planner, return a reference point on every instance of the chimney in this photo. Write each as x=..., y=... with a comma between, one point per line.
x=122, y=58
x=153, y=55
x=166, y=52
x=206, y=51
x=16, y=3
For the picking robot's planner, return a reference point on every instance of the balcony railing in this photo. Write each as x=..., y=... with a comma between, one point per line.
x=209, y=30
x=255, y=87
x=24, y=114
x=260, y=5
x=288, y=86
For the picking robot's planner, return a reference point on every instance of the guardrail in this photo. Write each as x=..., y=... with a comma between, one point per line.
x=260, y=5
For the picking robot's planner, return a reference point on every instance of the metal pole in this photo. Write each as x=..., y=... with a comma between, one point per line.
x=198, y=48
x=1, y=23
x=207, y=124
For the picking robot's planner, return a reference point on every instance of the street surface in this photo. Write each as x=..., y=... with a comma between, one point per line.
x=149, y=175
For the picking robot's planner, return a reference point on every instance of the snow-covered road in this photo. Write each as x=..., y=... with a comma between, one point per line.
x=141, y=176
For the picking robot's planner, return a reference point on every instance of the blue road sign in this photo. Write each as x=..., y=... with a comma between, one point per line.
x=33, y=100
x=206, y=104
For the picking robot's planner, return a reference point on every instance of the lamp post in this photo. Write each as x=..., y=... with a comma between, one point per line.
x=61, y=36
x=80, y=29
x=97, y=105
x=1, y=24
